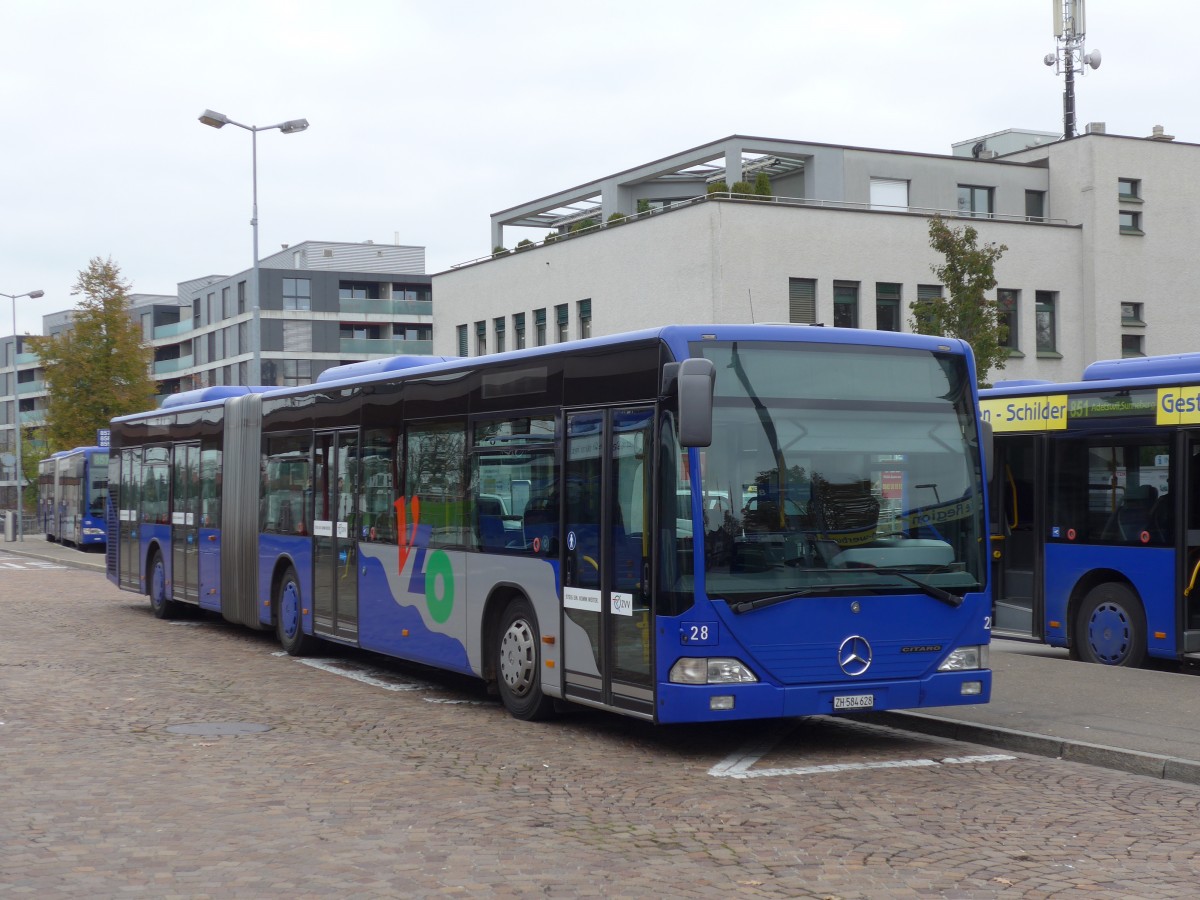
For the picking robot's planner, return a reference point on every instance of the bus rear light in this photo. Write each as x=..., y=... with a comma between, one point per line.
x=966, y=658
x=714, y=670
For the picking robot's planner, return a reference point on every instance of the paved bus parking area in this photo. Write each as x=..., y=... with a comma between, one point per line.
x=192, y=758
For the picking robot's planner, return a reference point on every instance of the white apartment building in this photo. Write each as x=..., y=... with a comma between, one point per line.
x=1099, y=231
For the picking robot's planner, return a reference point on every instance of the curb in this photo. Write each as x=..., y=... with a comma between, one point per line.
x=1133, y=762
x=56, y=553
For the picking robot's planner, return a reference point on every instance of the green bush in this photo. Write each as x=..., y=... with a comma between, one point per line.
x=524, y=244
x=742, y=187
x=718, y=187
x=616, y=218
x=643, y=206
x=499, y=250
x=762, y=184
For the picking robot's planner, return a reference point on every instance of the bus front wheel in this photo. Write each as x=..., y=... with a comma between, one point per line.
x=518, y=663
x=1110, y=627
x=162, y=605
x=289, y=616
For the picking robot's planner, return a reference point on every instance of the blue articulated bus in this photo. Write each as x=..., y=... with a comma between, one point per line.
x=1096, y=510
x=72, y=493
x=685, y=524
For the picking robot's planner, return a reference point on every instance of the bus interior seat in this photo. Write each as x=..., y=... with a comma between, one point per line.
x=1133, y=515
x=492, y=533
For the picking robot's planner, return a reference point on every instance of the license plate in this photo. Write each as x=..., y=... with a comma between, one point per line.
x=854, y=701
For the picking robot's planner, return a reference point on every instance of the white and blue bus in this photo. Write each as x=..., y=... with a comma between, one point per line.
x=684, y=524
x=72, y=490
x=1096, y=530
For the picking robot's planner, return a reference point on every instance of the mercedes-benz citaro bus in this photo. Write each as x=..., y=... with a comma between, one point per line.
x=685, y=524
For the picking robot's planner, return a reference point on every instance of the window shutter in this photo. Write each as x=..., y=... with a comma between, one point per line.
x=802, y=301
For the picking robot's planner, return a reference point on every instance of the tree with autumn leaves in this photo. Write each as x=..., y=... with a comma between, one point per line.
x=97, y=369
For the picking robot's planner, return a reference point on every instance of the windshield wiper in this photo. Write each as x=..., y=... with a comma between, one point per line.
x=932, y=590
x=746, y=606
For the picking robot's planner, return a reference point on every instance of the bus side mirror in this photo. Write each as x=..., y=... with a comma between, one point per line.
x=989, y=449
x=696, y=380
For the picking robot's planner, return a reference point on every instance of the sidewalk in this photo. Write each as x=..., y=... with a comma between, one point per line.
x=1142, y=721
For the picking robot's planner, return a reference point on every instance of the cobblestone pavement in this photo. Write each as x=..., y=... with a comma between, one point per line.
x=190, y=759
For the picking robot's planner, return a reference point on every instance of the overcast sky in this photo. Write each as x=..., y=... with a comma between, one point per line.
x=428, y=117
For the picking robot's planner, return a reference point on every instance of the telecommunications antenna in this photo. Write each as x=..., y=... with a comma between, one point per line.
x=1069, y=58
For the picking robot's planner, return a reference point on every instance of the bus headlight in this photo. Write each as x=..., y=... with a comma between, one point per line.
x=93, y=532
x=716, y=670
x=965, y=658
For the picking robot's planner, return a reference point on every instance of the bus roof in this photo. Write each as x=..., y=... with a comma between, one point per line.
x=676, y=337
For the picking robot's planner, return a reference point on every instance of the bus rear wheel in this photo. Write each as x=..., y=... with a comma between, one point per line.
x=289, y=616
x=162, y=606
x=518, y=663
x=1110, y=627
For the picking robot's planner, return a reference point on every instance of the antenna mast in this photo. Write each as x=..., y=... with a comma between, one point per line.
x=1069, y=58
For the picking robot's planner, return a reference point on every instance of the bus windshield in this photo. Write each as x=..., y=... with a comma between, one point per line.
x=840, y=469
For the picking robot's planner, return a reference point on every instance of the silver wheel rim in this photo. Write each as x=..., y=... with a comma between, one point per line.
x=517, y=654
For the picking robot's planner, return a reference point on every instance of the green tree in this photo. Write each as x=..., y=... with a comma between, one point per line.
x=99, y=368
x=965, y=311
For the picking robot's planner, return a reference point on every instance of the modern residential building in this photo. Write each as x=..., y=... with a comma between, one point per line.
x=1098, y=229
x=322, y=304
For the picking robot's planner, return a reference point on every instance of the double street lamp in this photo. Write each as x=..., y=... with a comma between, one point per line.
x=220, y=120
x=32, y=295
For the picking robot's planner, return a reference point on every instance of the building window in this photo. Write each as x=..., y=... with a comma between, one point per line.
x=1035, y=206
x=296, y=372
x=539, y=325
x=1047, y=338
x=1131, y=222
x=498, y=327
x=519, y=331
x=195, y=312
x=1129, y=189
x=974, y=200
x=480, y=338
x=889, y=194
x=845, y=304
x=210, y=308
x=358, y=290
x=297, y=293
x=585, y=318
x=560, y=320
x=1131, y=314
x=241, y=295
x=1007, y=303
x=462, y=340
x=887, y=306
x=1133, y=345
x=802, y=301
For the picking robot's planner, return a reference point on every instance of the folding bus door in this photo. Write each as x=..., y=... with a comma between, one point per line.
x=335, y=534
x=185, y=523
x=606, y=555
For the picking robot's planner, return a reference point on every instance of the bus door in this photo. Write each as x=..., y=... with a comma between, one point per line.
x=607, y=631
x=1016, y=543
x=185, y=523
x=335, y=538
x=1184, y=505
x=127, y=518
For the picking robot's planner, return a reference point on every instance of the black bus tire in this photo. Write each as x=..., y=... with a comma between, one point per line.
x=1110, y=627
x=518, y=663
x=162, y=606
x=289, y=616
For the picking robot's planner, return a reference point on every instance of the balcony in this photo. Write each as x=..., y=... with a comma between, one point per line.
x=28, y=359
x=168, y=366
x=31, y=387
x=173, y=330
x=386, y=307
x=385, y=347
x=33, y=417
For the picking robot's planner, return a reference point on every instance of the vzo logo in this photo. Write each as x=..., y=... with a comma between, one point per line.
x=435, y=580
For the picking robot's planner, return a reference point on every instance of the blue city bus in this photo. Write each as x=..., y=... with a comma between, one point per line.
x=685, y=524
x=1096, y=510
x=72, y=492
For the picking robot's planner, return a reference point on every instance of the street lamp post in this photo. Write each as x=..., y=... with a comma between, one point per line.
x=220, y=120
x=32, y=295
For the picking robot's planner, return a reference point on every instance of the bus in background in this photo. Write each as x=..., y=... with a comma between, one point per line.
x=1096, y=510
x=72, y=492
x=684, y=524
